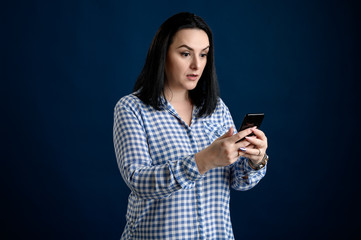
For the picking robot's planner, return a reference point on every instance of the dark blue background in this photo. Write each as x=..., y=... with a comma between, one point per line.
x=65, y=64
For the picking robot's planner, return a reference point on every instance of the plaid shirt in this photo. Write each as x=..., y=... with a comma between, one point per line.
x=169, y=198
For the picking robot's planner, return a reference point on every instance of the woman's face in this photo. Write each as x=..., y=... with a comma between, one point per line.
x=186, y=59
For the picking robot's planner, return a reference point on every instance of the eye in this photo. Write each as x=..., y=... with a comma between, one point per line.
x=204, y=55
x=185, y=54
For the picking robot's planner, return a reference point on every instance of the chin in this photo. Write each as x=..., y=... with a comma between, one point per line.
x=191, y=86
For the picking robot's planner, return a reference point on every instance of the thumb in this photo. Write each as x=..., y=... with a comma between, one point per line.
x=229, y=133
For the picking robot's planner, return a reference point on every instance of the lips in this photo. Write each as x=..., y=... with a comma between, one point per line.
x=192, y=77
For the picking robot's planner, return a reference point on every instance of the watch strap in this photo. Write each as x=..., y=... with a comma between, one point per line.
x=260, y=165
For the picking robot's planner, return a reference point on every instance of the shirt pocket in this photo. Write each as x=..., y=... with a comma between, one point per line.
x=213, y=130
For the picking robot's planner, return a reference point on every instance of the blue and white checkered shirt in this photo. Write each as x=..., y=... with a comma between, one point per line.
x=169, y=198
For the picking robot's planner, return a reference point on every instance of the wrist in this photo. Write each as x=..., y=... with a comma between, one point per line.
x=260, y=164
x=202, y=161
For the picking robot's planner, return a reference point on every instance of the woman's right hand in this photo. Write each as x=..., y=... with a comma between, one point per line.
x=223, y=151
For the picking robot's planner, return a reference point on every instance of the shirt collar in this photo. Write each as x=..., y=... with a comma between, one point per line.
x=167, y=106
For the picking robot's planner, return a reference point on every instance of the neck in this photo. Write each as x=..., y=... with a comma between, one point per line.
x=173, y=96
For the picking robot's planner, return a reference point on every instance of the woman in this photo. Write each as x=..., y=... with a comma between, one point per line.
x=174, y=141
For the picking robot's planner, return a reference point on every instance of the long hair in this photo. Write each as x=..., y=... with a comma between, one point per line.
x=149, y=86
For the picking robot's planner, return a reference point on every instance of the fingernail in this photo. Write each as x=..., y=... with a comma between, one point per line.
x=242, y=149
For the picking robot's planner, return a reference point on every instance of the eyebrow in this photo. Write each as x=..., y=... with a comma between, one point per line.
x=189, y=48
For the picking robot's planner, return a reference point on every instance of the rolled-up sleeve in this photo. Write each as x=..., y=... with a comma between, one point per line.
x=132, y=152
x=243, y=177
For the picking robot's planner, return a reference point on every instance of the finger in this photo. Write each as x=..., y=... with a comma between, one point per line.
x=244, y=149
x=243, y=144
x=250, y=146
x=255, y=141
x=241, y=134
x=259, y=134
x=240, y=148
x=254, y=151
x=229, y=133
x=241, y=152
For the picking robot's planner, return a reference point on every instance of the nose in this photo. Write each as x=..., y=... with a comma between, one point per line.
x=195, y=64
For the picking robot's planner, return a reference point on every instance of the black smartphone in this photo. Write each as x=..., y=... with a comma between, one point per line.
x=251, y=120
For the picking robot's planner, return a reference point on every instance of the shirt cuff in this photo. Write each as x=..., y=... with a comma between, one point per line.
x=186, y=172
x=243, y=168
x=248, y=167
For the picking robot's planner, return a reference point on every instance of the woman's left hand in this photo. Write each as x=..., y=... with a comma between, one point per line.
x=257, y=148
